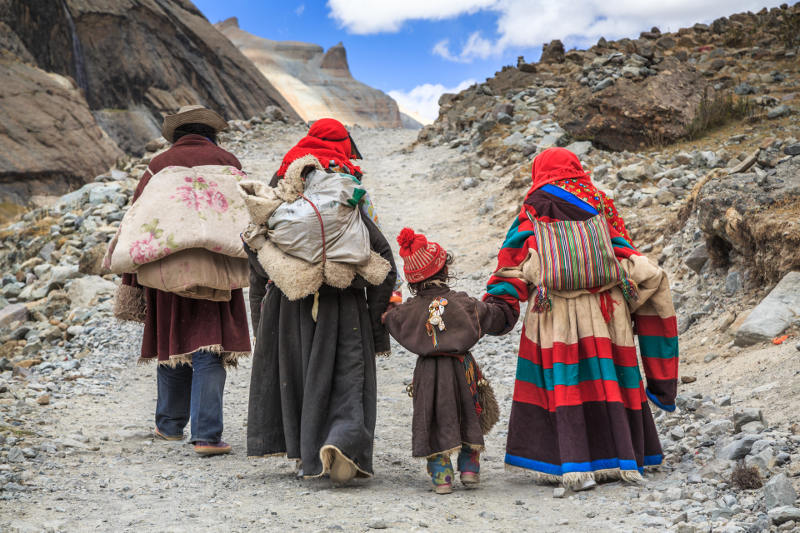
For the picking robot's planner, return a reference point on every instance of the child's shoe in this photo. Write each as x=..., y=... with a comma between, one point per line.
x=469, y=465
x=441, y=471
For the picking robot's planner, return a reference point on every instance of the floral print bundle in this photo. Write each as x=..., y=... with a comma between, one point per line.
x=182, y=208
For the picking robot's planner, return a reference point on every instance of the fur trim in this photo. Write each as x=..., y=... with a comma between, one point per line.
x=448, y=453
x=255, y=236
x=539, y=477
x=339, y=275
x=295, y=277
x=574, y=480
x=292, y=183
x=260, y=199
x=298, y=278
x=129, y=303
x=229, y=359
x=329, y=453
x=376, y=269
x=491, y=410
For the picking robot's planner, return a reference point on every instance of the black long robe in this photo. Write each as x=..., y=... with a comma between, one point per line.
x=313, y=384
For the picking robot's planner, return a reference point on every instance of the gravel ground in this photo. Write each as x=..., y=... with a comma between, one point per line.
x=94, y=466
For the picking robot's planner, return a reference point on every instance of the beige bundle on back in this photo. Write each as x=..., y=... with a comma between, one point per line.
x=182, y=235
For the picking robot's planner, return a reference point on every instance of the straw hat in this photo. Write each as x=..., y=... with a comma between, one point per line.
x=191, y=114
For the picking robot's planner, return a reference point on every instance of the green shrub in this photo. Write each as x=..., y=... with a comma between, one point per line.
x=716, y=112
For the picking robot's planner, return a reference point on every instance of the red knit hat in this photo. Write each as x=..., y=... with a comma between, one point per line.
x=421, y=259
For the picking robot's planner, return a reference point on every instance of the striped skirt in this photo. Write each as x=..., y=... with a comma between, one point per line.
x=580, y=411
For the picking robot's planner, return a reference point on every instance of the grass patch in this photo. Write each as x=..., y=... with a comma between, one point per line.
x=746, y=477
x=36, y=228
x=18, y=432
x=714, y=113
x=10, y=211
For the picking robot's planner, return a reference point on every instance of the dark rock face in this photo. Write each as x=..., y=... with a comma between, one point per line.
x=49, y=140
x=553, y=52
x=632, y=113
x=747, y=220
x=148, y=53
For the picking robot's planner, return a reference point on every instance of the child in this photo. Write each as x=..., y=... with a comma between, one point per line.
x=453, y=405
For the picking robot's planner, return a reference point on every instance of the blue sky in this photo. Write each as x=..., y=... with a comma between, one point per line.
x=417, y=49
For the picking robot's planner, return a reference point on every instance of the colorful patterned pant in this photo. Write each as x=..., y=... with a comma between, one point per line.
x=440, y=467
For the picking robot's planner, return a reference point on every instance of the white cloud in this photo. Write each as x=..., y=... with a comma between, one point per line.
x=475, y=47
x=442, y=49
x=376, y=16
x=422, y=102
x=300, y=9
x=529, y=23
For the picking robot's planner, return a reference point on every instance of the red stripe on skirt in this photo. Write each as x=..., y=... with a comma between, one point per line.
x=655, y=326
x=585, y=348
x=658, y=368
x=587, y=391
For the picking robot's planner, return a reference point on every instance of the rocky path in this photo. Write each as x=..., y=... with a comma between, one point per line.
x=87, y=461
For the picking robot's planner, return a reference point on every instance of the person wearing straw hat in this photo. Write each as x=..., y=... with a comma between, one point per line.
x=192, y=340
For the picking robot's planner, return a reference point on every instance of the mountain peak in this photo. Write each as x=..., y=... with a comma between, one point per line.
x=336, y=59
x=230, y=22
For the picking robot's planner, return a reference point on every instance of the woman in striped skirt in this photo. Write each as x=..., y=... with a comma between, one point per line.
x=580, y=409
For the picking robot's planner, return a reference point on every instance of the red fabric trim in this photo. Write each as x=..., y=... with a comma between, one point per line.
x=660, y=368
x=587, y=391
x=586, y=348
x=655, y=326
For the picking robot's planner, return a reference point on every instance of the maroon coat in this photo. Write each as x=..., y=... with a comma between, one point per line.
x=176, y=326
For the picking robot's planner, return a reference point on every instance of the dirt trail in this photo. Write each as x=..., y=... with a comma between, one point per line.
x=116, y=478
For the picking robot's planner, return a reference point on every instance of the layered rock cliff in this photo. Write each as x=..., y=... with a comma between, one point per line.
x=132, y=61
x=316, y=83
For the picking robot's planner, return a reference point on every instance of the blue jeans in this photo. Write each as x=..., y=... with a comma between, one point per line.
x=192, y=392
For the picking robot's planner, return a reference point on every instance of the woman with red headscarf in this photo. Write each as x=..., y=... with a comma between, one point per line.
x=330, y=142
x=580, y=410
x=313, y=392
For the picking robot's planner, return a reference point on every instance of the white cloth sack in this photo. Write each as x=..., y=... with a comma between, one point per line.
x=295, y=228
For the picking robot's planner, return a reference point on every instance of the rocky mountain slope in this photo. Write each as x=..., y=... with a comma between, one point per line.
x=316, y=83
x=692, y=174
x=129, y=62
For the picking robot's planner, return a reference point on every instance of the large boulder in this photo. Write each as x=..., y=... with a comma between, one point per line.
x=316, y=83
x=49, y=140
x=86, y=291
x=629, y=114
x=774, y=314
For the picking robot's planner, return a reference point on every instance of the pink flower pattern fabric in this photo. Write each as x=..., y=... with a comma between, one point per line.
x=204, y=198
x=199, y=194
x=144, y=250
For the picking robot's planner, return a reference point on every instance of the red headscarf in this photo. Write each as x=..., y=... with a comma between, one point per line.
x=555, y=164
x=328, y=141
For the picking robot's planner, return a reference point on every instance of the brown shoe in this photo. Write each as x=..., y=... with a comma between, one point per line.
x=211, y=448
x=161, y=436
